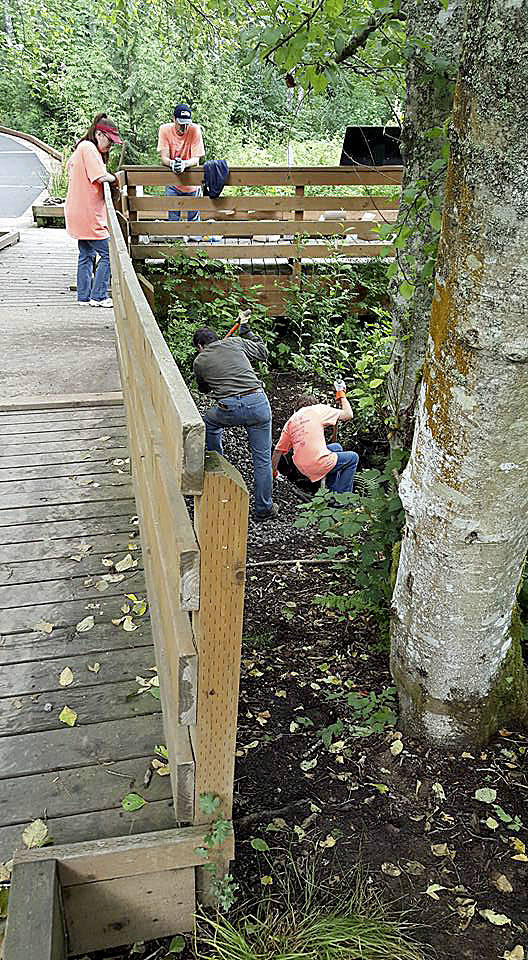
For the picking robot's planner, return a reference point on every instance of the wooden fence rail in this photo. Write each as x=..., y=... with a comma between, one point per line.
x=296, y=227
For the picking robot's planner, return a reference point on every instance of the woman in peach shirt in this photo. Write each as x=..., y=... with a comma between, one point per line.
x=85, y=210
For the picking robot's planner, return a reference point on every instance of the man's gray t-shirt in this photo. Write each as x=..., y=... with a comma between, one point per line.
x=223, y=368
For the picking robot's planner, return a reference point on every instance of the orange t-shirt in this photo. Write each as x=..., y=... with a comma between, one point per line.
x=85, y=210
x=183, y=145
x=304, y=431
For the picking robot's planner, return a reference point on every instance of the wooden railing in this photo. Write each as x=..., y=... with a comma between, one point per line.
x=291, y=221
x=200, y=568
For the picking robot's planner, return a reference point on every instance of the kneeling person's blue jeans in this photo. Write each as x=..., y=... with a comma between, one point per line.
x=252, y=412
x=341, y=478
x=88, y=286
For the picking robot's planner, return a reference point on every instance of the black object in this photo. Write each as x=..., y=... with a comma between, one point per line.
x=216, y=173
x=287, y=468
x=371, y=146
x=243, y=329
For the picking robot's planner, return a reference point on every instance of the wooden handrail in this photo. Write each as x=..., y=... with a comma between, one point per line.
x=270, y=176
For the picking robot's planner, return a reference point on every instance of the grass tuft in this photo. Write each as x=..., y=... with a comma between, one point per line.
x=301, y=918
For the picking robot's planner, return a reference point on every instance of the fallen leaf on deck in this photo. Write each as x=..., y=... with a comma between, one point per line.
x=42, y=626
x=113, y=577
x=133, y=801
x=36, y=834
x=162, y=769
x=101, y=585
x=107, y=562
x=68, y=716
x=498, y=919
x=94, y=667
x=85, y=624
x=126, y=563
x=129, y=625
x=66, y=677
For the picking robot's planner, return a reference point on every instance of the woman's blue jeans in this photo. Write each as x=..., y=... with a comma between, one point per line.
x=252, y=412
x=90, y=287
x=192, y=215
x=341, y=478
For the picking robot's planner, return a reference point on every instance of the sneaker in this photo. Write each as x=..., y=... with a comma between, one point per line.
x=267, y=516
x=108, y=302
x=83, y=303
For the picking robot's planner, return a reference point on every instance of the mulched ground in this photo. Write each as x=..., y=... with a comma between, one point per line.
x=408, y=815
x=412, y=817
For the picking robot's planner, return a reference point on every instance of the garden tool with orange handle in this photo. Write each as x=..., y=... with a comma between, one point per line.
x=243, y=318
x=340, y=389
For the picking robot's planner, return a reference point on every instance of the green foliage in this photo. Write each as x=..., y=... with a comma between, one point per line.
x=363, y=526
x=373, y=713
x=328, y=335
x=223, y=888
x=301, y=916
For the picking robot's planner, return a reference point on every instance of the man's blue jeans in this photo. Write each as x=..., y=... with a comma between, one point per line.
x=88, y=286
x=192, y=215
x=253, y=412
x=341, y=478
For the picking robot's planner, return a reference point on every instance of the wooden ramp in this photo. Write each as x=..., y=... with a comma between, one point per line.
x=67, y=517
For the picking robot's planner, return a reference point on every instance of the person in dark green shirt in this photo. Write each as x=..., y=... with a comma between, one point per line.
x=223, y=369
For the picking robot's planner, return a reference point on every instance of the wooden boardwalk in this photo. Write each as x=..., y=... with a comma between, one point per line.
x=67, y=517
x=66, y=505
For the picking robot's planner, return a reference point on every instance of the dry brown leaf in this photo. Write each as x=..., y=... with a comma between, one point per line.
x=85, y=624
x=42, y=626
x=126, y=563
x=502, y=883
x=94, y=667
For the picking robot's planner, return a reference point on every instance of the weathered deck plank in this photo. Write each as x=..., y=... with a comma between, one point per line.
x=74, y=777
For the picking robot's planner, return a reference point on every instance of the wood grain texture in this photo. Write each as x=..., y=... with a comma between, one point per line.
x=114, y=912
x=36, y=924
x=217, y=251
x=97, y=860
x=255, y=203
x=221, y=518
x=272, y=176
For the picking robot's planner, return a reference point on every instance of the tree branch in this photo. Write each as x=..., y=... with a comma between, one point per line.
x=361, y=39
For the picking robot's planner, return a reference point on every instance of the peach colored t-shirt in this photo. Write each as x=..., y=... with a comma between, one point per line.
x=85, y=210
x=304, y=431
x=183, y=145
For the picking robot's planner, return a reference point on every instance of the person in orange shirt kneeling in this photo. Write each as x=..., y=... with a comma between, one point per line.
x=313, y=457
x=85, y=210
x=180, y=145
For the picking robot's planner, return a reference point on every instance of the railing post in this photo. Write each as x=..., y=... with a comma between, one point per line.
x=299, y=215
x=35, y=923
x=221, y=521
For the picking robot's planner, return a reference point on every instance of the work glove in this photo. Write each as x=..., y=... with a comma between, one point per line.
x=177, y=165
x=340, y=388
x=243, y=319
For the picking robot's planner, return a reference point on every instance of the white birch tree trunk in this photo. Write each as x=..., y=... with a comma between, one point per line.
x=455, y=635
x=431, y=70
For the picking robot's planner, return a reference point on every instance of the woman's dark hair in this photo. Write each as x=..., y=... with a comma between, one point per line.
x=203, y=336
x=90, y=133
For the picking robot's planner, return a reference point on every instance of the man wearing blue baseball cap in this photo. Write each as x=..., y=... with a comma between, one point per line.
x=181, y=145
